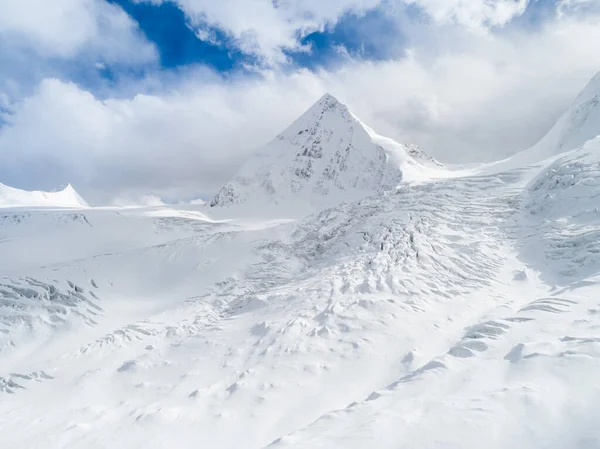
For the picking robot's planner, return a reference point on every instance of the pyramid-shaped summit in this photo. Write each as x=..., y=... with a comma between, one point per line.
x=325, y=157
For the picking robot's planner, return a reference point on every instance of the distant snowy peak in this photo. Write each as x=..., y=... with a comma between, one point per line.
x=579, y=124
x=67, y=198
x=324, y=157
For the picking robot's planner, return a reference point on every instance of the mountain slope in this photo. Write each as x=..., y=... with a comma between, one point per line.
x=68, y=197
x=325, y=157
x=580, y=123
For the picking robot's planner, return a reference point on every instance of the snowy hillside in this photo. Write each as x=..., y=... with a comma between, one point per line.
x=325, y=157
x=575, y=127
x=68, y=197
x=457, y=311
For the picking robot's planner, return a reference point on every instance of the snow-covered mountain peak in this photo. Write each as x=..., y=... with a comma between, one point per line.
x=328, y=101
x=325, y=157
x=327, y=112
x=67, y=197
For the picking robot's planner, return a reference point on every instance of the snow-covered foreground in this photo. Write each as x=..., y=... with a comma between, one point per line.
x=457, y=312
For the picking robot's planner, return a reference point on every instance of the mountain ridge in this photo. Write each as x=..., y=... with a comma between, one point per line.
x=67, y=198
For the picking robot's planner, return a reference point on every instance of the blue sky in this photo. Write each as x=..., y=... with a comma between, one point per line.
x=166, y=98
x=167, y=26
x=369, y=35
x=372, y=34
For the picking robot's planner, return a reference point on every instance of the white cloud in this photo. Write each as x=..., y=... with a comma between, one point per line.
x=176, y=145
x=472, y=13
x=264, y=28
x=570, y=6
x=58, y=38
x=63, y=28
x=144, y=200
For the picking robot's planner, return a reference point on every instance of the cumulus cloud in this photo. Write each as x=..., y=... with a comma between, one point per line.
x=178, y=145
x=64, y=27
x=578, y=6
x=476, y=14
x=267, y=28
x=40, y=38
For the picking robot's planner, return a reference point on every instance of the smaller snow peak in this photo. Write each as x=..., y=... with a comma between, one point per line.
x=72, y=197
x=67, y=188
x=64, y=198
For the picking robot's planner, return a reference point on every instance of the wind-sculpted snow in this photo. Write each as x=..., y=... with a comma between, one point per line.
x=563, y=203
x=356, y=325
x=305, y=316
x=29, y=306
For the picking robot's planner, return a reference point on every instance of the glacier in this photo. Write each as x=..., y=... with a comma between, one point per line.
x=341, y=290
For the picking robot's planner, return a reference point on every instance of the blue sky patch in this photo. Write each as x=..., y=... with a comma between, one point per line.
x=372, y=36
x=168, y=28
x=538, y=12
